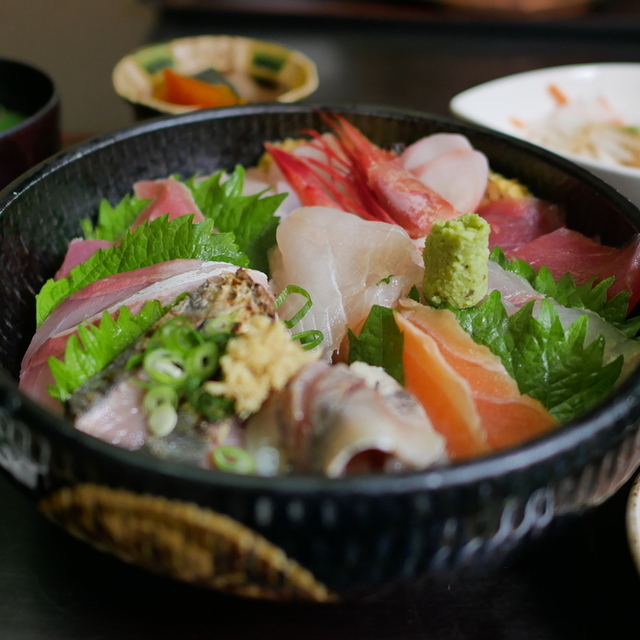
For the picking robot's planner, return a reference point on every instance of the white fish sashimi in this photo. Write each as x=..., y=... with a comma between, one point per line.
x=516, y=292
x=432, y=147
x=346, y=264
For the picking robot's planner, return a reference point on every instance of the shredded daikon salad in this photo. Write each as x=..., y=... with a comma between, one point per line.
x=586, y=127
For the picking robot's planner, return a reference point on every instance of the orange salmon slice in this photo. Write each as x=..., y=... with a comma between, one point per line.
x=505, y=416
x=445, y=394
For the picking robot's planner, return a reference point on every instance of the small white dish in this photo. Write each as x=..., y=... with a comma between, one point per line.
x=525, y=97
x=633, y=521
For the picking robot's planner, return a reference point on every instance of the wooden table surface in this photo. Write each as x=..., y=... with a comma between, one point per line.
x=579, y=583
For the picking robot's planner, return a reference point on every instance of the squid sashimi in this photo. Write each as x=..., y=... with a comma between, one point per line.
x=334, y=419
x=517, y=221
x=506, y=416
x=566, y=251
x=346, y=265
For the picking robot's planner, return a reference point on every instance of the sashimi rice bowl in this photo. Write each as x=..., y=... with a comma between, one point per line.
x=347, y=296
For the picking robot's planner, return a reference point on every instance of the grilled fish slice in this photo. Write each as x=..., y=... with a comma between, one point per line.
x=108, y=405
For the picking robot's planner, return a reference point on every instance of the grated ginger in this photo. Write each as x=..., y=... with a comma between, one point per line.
x=260, y=360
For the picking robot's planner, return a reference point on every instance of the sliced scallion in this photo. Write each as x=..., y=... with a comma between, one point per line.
x=221, y=324
x=165, y=366
x=213, y=408
x=158, y=396
x=286, y=292
x=233, y=459
x=202, y=361
x=309, y=339
x=178, y=335
x=163, y=420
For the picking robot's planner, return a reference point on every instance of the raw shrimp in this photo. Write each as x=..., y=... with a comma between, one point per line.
x=364, y=180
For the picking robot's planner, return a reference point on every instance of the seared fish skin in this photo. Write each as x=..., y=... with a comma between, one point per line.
x=109, y=405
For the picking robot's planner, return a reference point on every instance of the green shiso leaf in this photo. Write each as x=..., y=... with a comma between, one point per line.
x=113, y=222
x=151, y=243
x=548, y=362
x=565, y=291
x=251, y=218
x=94, y=347
x=380, y=343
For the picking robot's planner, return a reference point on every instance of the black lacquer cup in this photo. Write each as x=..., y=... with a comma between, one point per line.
x=31, y=93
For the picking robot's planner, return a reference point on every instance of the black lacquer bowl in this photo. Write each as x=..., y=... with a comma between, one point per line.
x=288, y=537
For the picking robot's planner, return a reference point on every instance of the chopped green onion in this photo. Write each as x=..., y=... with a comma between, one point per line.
x=202, y=361
x=233, y=459
x=213, y=408
x=163, y=420
x=221, y=324
x=178, y=335
x=165, y=367
x=286, y=292
x=309, y=339
x=159, y=396
x=134, y=361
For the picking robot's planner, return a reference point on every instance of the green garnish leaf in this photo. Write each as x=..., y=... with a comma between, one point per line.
x=94, y=347
x=414, y=294
x=386, y=280
x=113, y=222
x=548, y=362
x=251, y=218
x=151, y=243
x=565, y=291
x=380, y=343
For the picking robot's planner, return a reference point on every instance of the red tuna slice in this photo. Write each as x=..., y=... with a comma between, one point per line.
x=566, y=251
x=79, y=251
x=517, y=221
x=168, y=196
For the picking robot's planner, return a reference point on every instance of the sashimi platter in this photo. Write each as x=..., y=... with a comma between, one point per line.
x=310, y=352
x=338, y=308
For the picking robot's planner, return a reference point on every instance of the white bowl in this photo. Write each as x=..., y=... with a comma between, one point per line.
x=633, y=521
x=525, y=97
